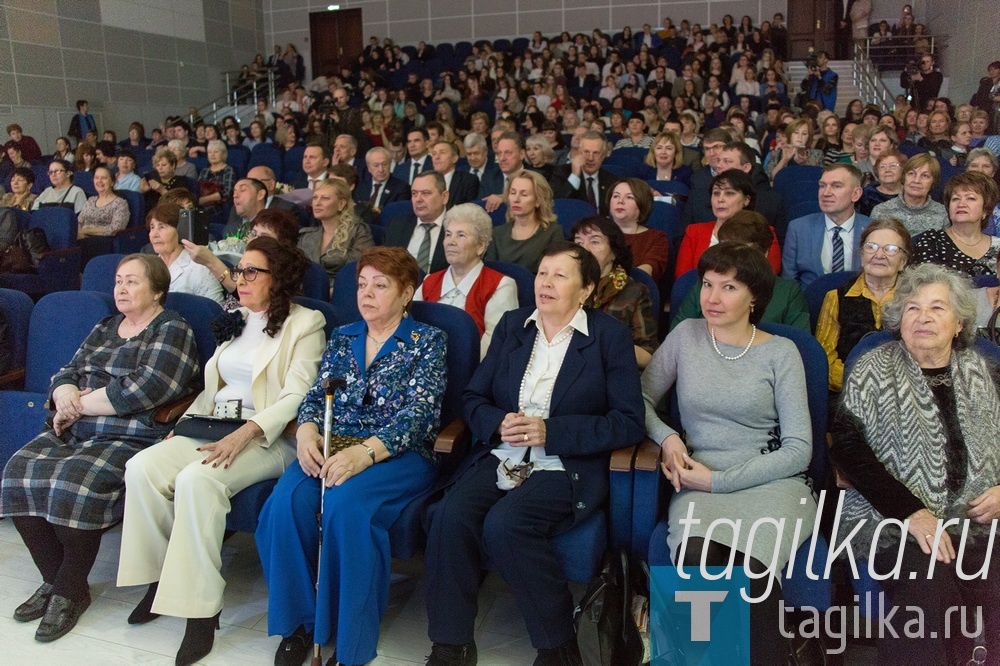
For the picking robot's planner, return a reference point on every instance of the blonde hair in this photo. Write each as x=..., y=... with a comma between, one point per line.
x=543, y=196
x=660, y=138
x=347, y=220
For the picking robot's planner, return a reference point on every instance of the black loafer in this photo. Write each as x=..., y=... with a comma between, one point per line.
x=60, y=617
x=294, y=649
x=35, y=606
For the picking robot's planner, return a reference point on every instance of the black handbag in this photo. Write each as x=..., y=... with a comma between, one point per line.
x=211, y=428
x=992, y=330
x=23, y=255
x=605, y=631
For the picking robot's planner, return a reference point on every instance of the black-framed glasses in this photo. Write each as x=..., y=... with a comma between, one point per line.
x=249, y=273
x=889, y=249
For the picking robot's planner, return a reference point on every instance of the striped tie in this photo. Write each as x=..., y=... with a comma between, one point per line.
x=837, y=264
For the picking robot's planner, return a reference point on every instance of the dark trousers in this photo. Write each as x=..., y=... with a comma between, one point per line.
x=64, y=555
x=767, y=645
x=934, y=595
x=476, y=523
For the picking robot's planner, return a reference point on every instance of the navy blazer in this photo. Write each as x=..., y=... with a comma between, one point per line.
x=400, y=229
x=394, y=190
x=491, y=183
x=800, y=259
x=596, y=402
x=404, y=169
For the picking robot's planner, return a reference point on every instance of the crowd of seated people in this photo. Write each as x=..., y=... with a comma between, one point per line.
x=680, y=177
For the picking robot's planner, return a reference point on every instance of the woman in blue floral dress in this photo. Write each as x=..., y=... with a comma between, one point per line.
x=395, y=373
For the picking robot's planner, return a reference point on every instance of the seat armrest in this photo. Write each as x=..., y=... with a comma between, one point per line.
x=647, y=457
x=173, y=410
x=621, y=459
x=452, y=436
x=13, y=380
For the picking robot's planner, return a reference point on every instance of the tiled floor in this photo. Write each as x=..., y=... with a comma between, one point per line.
x=104, y=638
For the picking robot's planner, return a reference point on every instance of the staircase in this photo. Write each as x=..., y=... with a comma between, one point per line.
x=847, y=86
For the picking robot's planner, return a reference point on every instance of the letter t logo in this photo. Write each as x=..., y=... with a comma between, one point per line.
x=701, y=611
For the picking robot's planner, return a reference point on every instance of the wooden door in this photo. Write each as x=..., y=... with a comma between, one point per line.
x=336, y=40
x=810, y=24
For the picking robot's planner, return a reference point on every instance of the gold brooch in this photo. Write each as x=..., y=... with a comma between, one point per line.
x=414, y=336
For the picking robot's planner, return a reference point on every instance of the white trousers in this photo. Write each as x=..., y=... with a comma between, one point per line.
x=175, y=519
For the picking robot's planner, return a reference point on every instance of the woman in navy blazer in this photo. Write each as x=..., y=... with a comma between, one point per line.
x=564, y=399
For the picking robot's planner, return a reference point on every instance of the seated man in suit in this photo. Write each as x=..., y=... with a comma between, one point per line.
x=380, y=187
x=738, y=155
x=421, y=233
x=589, y=181
x=581, y=86
x=476, y=160
x=315, y=162
x=345, y=151
x=699, y=204
x=418, y=160
x=829, y=241
x=265, y=175
x=346, y=173
x=249, y=198
x=462, y=187
x=510, y=160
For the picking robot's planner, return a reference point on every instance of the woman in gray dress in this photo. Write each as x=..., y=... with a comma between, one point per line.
x=742, y=398
x=64, y=488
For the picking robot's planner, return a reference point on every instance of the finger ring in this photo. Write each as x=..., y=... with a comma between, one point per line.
x=929, y=536
x=526, y=437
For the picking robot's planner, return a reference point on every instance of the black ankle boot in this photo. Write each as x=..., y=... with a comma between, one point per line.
x=564, y=655
x=143, y=613
x=453, y=655
x=199, y=637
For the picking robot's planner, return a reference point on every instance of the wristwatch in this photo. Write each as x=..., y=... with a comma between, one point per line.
x=224, y=275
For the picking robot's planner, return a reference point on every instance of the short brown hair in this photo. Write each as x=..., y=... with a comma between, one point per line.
x=165, y=213
x=179, y=196
x=923, y=160
x=282, y=222
x=747, y=227
x=14, y=126
x=394, y=262
x=643, y=196
x=345, y=172
x=973, y=181
x=750, y=266
x=156, y=272
x=165, y=154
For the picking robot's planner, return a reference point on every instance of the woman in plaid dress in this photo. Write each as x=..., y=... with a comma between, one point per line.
x=65, y=487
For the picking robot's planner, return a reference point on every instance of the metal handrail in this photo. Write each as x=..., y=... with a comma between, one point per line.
x=936, y=43
x=239, y=96
x=868, y=80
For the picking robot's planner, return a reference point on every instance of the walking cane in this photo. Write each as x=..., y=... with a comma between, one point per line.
x=330, y=386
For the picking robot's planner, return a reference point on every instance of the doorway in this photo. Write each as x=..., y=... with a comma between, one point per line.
x=810, y=24
x=335, y=40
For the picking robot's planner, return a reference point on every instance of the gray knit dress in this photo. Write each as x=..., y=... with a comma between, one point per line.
x=748, y=421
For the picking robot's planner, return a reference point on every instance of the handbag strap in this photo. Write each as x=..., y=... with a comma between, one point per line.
x=992, y=333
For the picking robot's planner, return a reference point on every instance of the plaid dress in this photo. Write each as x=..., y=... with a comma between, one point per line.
x=78, y=480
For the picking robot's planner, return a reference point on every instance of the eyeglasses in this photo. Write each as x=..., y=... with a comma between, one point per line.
x=891, y=165
x=890, y=250
x=249, y=273
x=53, y=172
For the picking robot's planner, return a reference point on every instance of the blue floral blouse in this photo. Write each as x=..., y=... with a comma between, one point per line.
x=397, y=399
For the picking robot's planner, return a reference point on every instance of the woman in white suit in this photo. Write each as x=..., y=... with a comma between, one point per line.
x=177, y=492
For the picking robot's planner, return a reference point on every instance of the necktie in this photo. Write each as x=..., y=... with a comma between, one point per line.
x=475, y=172
x=590, y=191
x=416, y=171
x=312, y=183
x=376, y=193
x=424, y=254
x=838, y=251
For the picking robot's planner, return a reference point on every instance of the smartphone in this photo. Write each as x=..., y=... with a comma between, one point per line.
x=193, y=225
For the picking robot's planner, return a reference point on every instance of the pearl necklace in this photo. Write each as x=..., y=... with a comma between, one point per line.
x=522, y=395
x=753, y=334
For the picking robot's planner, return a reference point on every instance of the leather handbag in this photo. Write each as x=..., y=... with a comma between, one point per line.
x=209, y=428
x=992, y=330
x=606, y=632
x=23, y=254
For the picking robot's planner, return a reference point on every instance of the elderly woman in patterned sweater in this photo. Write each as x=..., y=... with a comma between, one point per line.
x=935, y=470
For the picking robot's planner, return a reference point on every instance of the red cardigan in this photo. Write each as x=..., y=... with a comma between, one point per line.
x=696, y=240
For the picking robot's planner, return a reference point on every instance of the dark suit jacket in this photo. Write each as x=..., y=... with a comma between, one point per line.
x=463, y=165
x=404, y=170
x=596, y=401
x=277, y=203
x=605, y=181
x=491, y=182
x=394, y=190
x=464, y=188
x=582, y=89
x=767, y=202
x=399, y=231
